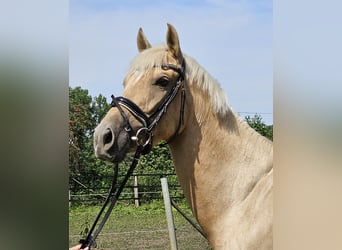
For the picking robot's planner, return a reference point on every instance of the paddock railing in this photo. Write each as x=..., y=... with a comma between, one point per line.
x=141, y=188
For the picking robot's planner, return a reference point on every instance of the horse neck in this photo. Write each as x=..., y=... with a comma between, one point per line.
x=217, y=159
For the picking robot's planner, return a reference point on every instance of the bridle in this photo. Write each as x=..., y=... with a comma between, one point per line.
x=143, y=138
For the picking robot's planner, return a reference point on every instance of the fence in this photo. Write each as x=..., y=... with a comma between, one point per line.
x=141, y=188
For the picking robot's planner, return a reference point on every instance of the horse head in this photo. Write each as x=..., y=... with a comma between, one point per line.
x=152, y=104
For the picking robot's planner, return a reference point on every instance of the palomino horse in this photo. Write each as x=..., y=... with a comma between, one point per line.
x=225, y=168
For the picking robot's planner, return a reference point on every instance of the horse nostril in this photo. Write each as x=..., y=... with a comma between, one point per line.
x=104, y=141
x=107, y=137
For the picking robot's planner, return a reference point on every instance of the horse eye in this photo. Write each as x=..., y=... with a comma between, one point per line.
x=163, y=82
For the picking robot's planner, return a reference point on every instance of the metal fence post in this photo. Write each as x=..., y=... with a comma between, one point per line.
x=169, y=216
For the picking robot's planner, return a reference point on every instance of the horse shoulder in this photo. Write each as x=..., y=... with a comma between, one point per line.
x=248, y=224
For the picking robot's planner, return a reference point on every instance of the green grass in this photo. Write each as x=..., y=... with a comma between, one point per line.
x=130, y=227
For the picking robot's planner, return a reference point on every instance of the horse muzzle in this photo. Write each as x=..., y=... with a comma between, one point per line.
x=111, y=143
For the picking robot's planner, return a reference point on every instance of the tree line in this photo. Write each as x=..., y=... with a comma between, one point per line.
x=85, y=112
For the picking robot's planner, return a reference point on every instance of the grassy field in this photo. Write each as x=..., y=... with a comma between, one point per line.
x=130, y=227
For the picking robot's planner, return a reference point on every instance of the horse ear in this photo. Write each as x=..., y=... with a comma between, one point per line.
x=142, y=41
x=173, y=42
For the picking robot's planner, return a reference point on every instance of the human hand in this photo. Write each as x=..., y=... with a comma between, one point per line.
x=78, y=247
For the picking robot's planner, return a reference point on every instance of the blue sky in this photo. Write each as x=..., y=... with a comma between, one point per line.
x=232, y=40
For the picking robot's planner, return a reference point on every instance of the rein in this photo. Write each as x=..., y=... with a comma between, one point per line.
x=143, y=138
x=89, y=241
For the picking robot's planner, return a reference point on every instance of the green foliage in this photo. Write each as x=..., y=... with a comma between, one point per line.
x=80, y=126
x=84, y=113
x=257, y=124
x=100, y=108
x=158, y=160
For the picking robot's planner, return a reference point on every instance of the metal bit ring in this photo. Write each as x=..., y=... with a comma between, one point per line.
x=140, y=137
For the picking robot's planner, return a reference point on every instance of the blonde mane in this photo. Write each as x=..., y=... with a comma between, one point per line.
x=194, y=73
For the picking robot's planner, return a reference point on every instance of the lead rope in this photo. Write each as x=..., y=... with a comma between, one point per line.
x=89, y=241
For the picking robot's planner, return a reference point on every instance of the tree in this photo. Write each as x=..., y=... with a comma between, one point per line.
x=81, y=126
x=84, y=113
x=100, y=108
x=257, y=124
